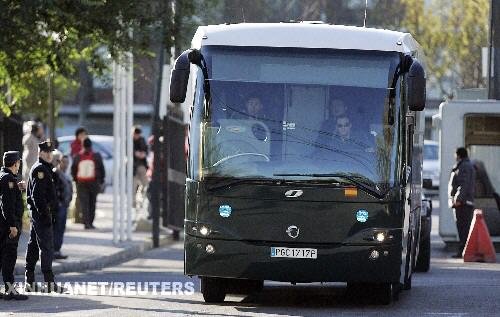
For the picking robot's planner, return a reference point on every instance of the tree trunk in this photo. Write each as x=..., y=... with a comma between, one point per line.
x=85, y=92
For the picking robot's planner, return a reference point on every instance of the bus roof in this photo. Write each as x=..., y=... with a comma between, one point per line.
x=306, y=35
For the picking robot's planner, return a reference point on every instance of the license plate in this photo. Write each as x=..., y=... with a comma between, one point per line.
x=298, y=253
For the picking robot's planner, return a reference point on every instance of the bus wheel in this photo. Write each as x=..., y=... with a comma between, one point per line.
x=424, y=256
x=407, y=284
x=409, y=265
x=213, y=289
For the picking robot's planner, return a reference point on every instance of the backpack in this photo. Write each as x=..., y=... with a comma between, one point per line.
x=86, y=168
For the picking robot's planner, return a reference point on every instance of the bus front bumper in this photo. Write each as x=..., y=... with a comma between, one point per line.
x=252, y=260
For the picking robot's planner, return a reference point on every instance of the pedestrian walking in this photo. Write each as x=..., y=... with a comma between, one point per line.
x=77, y=148
x=141, y=180
x=64, y=194
x=42, y=202
x=11, y=208
x=88, y=172
x=30, y=148
x=461, y=190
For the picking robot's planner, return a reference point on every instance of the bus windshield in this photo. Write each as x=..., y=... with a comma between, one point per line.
x=285, y=113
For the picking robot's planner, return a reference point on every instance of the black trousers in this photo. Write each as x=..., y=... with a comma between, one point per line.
x=8, y=255
x=464, y=216
x=41, y=245
x=87, y=194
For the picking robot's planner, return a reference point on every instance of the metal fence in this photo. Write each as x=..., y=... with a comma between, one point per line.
x=173, y=171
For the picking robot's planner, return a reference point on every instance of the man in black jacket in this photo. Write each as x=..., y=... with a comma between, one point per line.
x=140, y=163
x=88, y=173
x=42, y=201
x=11, y=208
x=461, y=190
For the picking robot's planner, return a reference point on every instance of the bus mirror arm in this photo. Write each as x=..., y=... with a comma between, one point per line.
x=195, y=57
x=402, y=67
x=179, y=78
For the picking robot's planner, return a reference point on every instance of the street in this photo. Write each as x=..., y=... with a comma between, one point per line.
x=148, y=142
x=450, y=288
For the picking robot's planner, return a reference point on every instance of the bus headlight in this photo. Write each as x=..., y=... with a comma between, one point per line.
x=380, y=237
x=204, y=231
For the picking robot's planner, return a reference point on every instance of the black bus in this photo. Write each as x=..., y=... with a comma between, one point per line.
x=305, y=156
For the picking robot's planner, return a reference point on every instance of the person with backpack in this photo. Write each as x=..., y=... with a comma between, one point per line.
x=88, y=173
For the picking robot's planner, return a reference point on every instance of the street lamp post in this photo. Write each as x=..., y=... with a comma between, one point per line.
x=52, y=108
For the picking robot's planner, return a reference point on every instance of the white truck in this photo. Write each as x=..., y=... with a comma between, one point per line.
x=476, y=126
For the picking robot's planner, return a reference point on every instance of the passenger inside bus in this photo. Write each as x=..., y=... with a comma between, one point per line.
x=338, y=135
x=345, y=139
x=337, y=108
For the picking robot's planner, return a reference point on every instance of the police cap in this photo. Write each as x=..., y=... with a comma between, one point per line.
x=46, y=146
x=11, y=157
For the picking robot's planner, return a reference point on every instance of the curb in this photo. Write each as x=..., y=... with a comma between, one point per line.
x=127, y=253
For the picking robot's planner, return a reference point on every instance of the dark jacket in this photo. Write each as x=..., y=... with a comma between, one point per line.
x=64, y=188
x=41, y=195
x=11, y=202
x=100, y=173
x=140, y=145
x=461, y=186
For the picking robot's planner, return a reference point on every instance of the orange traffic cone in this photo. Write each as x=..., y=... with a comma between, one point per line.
x=479, y=247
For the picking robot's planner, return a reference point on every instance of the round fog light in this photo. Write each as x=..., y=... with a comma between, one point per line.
x=380, y=237
x=374, y=255
x=210, y=249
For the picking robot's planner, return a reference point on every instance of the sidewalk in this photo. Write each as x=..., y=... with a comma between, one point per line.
x=92, y=249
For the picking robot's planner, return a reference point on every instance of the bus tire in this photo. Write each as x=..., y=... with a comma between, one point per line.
x=424, y=256
x=409, y=264
x=213, y=289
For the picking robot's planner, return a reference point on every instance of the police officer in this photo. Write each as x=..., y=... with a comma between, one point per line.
x=461, y=190
x=42, y=202
x=11, y=207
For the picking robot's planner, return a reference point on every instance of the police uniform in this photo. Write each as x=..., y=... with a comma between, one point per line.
x=461, y=189
x=11, y=208
x=42, y=202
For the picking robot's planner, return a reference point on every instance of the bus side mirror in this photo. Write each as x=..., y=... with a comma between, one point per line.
x=179, y=78
x=416, y=87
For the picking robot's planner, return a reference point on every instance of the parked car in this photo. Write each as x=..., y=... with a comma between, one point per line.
x=431, y=169
x=100, y=143
x=423, y=260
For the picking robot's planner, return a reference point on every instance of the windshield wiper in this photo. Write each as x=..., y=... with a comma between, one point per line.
x=216, y=182
x=359, y=181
